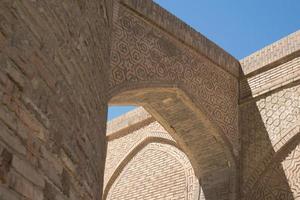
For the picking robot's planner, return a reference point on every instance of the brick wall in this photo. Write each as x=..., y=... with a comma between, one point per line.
x=53, y=62
x=270, y=121
x=152, y=165
x=273, y=54
x=117, y=149
x=281, y=179
x=154, y=173
x=54, y=69
x=266, y=125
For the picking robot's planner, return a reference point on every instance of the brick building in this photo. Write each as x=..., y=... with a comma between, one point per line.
x=219, y=128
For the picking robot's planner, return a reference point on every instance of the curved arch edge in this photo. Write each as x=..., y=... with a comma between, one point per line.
x=128, y=157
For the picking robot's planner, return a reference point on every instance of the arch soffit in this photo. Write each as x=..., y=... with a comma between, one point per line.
x=134, y=151
x=126, y=95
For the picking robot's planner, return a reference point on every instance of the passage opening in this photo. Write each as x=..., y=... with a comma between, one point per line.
x=143, y=160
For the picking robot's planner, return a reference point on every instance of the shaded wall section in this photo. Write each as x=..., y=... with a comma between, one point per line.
x=269, y=121
x=54, y=57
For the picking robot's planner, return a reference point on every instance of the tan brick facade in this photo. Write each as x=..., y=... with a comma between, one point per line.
x=63, y=62
x=145, y=162
x=54, y=60
x=270, y=119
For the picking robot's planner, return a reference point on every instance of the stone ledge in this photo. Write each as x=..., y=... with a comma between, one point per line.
x=272, y=55
x=270, y=80
x=184, y=33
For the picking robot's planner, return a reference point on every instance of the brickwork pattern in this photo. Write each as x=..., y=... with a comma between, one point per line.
x=144, y=179
x=58, y=73
x=264, y=125
x=291, y=167
x=184, y=33
x=144, y=55
x=270, y=120
x=138, y=115
x=269, y=80
x=159, y=171
x=53, y=63
x=118, y=149
x=269, y=110
x=281, y=180
x=271, y=53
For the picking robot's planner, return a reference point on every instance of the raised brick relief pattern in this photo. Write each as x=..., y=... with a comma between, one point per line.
x=266, y=125
x=118, y=149
x=144, y=55
x=158, y=171
x=281, y=181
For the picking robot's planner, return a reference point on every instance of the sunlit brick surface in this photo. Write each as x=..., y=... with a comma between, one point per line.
x=154, y=166
x=154, y=173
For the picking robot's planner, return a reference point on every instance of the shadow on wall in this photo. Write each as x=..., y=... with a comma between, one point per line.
x=147, y=166
x=262, y=175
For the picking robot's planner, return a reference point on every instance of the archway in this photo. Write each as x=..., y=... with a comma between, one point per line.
x=280, y=179
x=191, y=91
x=195, y=134
x=168, y=147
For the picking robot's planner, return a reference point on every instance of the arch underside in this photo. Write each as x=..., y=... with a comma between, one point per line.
x=191, y=193
x=143, y=55
x=192, y=96
x=194, y=133
x=280, y=179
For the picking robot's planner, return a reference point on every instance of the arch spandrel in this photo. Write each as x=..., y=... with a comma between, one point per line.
x=144, y=54
x=195, y=134
x=280, y=178
x=191, y=95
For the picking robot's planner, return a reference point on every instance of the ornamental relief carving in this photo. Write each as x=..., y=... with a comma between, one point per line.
x=144, y=54
x=281, y=181
x=266, y=125
x=188, y=183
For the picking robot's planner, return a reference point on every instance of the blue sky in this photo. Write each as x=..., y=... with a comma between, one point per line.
x=241, y=27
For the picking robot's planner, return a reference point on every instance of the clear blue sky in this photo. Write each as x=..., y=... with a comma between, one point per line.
x=241, y=27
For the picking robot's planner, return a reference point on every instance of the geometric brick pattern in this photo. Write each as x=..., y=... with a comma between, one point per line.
x=62, y=63
x=291, y=167
x=267, y=124
x=281, y=180
x=145, y=162
x=119, y=148
x=158, y=171
x=145, y=56
x=149, y=67
x=270, y=121
x=279, y=112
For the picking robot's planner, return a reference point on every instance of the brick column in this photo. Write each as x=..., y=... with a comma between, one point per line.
x=53, y=62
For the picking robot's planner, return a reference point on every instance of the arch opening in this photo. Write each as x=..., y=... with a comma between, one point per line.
x=154, y=168
x=192, y=130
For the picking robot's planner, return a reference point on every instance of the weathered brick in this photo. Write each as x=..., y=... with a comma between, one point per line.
x=8, y=194
x=5, y=165
x=28, y=171
x=24, y=187
x=63, y=62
